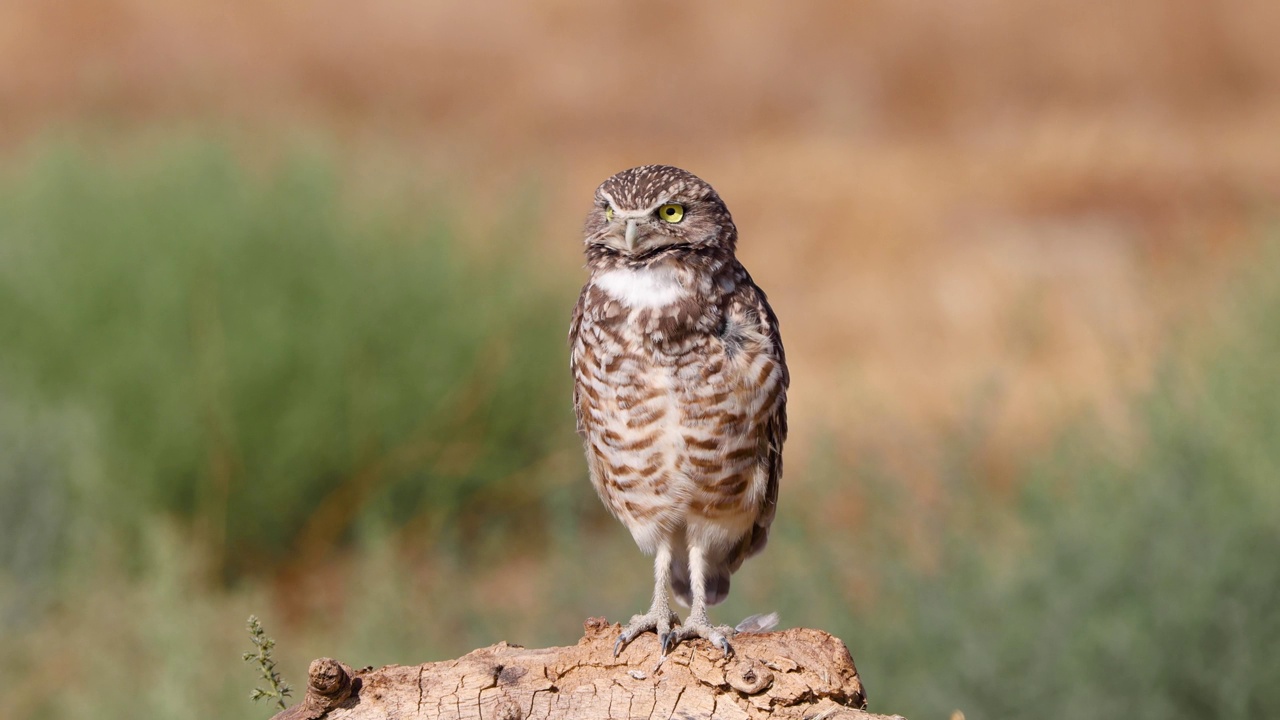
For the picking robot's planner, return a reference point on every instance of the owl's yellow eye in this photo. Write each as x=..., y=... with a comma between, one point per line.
x=608, y=213
x=671, y=212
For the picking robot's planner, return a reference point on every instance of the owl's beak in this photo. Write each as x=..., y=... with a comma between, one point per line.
x=631, y=235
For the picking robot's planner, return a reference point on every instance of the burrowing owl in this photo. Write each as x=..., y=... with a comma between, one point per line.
x=680, y=388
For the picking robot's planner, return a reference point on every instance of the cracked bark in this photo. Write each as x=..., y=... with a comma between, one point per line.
x=798, y=673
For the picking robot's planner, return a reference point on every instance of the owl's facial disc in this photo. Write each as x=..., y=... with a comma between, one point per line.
x=657, y=214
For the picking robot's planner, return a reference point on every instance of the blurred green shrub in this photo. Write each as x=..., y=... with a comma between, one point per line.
x=1135, y=583
x=274, y=363
x=34, y=512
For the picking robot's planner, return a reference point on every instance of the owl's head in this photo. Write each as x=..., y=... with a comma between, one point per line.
x=653, y=211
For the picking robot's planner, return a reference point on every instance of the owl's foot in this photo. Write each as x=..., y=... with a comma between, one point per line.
x=717, y=635
x=658, y=619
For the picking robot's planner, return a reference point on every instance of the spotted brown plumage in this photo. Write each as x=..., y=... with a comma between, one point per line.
x=680, y=386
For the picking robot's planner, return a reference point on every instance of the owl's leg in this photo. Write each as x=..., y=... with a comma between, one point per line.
x=659, y=618
x=697, y=625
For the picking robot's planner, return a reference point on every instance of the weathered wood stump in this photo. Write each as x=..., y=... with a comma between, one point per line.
x=795, y=673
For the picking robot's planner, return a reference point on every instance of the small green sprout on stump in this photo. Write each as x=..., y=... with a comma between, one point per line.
x=276, y=687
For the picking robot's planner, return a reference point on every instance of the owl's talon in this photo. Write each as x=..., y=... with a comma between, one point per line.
x=666, y=641
x=658, y=619
x=717, y=635
x=723, y=643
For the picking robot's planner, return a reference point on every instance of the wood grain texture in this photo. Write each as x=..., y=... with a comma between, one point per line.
x=798, y=673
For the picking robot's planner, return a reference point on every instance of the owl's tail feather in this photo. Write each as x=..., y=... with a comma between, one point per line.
x=717, y=583
x=680, y=583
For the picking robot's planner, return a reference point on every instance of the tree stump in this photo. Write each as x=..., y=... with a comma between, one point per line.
x=796, y=673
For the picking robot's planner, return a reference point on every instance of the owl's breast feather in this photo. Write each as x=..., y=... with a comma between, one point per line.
x=642, y=288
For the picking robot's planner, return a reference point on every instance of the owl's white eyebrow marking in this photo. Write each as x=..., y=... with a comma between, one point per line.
x=623, y=212
x=641, y=213
x=641, y=288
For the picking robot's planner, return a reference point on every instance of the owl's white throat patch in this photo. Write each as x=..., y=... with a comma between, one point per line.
x=641, y=288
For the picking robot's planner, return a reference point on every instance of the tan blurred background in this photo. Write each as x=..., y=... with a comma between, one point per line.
x=939, y=196
x=990, y=207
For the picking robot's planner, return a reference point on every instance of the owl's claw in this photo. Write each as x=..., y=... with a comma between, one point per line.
x=666, y=641
x=723, y=643
x=717, y=635
x=657, y=619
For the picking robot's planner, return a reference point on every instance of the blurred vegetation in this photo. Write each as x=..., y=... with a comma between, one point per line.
x=1136, y=582
x=265, y=362
x=212, y=374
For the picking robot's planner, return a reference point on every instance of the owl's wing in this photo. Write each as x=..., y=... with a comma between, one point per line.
x=575, y=327
x=747, y=310
x=773, y=425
